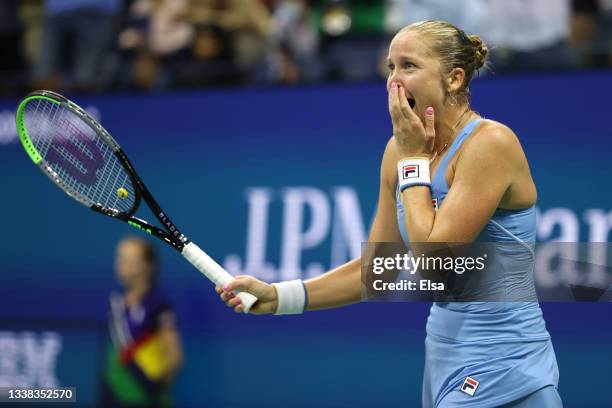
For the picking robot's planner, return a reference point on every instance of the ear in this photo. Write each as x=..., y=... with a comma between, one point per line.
x=454, y=80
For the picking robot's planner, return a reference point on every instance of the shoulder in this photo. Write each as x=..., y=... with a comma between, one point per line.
x=490, y=133
x=492, y=140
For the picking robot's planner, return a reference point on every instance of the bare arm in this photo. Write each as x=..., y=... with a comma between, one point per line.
x=486, y=168
x=342, y=285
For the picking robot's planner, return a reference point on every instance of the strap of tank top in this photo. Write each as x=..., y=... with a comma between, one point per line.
x=464, y=133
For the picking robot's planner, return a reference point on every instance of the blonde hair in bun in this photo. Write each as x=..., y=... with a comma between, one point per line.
x=455, y=49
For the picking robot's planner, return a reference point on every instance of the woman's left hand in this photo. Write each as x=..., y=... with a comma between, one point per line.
x=412, y=138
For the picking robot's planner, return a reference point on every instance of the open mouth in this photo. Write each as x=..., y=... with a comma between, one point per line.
x=411, y=102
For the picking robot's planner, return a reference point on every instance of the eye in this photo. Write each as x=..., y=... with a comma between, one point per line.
x=408, y=65
x=390, y=66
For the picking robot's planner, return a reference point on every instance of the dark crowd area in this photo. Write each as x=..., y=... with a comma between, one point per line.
x=156, y=45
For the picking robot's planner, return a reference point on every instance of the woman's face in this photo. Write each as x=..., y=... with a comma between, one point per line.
x=131, y=264
x=414, y=66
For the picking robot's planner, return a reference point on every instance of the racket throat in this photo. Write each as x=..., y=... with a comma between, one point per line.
x=171, y=228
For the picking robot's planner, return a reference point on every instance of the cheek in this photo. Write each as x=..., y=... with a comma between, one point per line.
x=426, y=87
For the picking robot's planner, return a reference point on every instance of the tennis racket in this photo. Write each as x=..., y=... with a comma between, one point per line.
x=82, y=159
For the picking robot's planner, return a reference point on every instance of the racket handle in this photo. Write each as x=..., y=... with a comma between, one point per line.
x=214, y=272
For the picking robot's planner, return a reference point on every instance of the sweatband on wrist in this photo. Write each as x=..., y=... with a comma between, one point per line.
x=413, y=172
x=291, y=297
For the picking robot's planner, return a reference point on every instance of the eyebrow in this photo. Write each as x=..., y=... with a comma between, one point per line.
x=409, y=58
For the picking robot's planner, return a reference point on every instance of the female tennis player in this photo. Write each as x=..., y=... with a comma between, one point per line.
x=478, y=354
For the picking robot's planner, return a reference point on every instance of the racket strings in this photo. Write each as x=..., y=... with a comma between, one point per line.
x=80, y=160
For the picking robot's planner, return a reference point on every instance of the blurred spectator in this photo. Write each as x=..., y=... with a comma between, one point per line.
x=31, y=15
x=162, y=44
x=145, y=354
x=584, y=25
x=529, y=35
x=466, y=14
x=592, y=31
x=606, y=28
x=10, y=39
x=295, y=43
x=230, y=43
x=522, y=34
x=156, y=33
x=353, y=38
x=87, y=28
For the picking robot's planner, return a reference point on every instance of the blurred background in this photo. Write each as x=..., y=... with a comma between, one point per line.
x=157, y=45
x=259, y=125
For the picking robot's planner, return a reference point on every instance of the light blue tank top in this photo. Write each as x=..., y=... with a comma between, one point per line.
x=503, y=344
x=509, y=279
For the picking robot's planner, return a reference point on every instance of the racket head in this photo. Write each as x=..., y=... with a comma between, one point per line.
x=77, y=154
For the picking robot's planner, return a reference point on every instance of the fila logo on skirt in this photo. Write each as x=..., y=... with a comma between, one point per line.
x=469, y=386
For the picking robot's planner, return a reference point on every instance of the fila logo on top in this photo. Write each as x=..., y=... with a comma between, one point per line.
x=411, y=171
x=469, y=386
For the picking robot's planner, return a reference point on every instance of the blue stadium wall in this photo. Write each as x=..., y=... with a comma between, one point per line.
x=283, y=183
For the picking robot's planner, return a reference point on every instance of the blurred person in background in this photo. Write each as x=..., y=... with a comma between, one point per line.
x=84, y=27
x=145, y=354
x=156, y=34
x=294, y=49
x=467, y=14
x=352, y=38
x=230, y=42
x=524, y=35
x=606, y=28
x=528, y=35
x=592, y=31
x=11, y=63
x=31, y=15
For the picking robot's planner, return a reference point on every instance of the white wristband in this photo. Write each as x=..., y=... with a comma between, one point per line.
x=413, y=172
x=291, y=297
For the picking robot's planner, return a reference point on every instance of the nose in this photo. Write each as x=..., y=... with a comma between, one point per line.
x=393, y=78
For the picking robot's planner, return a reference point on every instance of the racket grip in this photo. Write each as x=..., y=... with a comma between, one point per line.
x=214, y=272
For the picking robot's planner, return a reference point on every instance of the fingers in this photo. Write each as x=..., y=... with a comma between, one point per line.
x=393, y=103
x=225, y=296
x=405, y=108
x=241, y=283
x=227, y=292
x=399, y=108
x=430, y=129
x=266, y=294
x=235, y=303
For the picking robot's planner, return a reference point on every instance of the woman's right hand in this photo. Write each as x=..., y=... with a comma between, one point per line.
x=267, y=299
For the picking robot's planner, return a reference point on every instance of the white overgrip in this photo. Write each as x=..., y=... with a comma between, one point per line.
x=214, y=272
